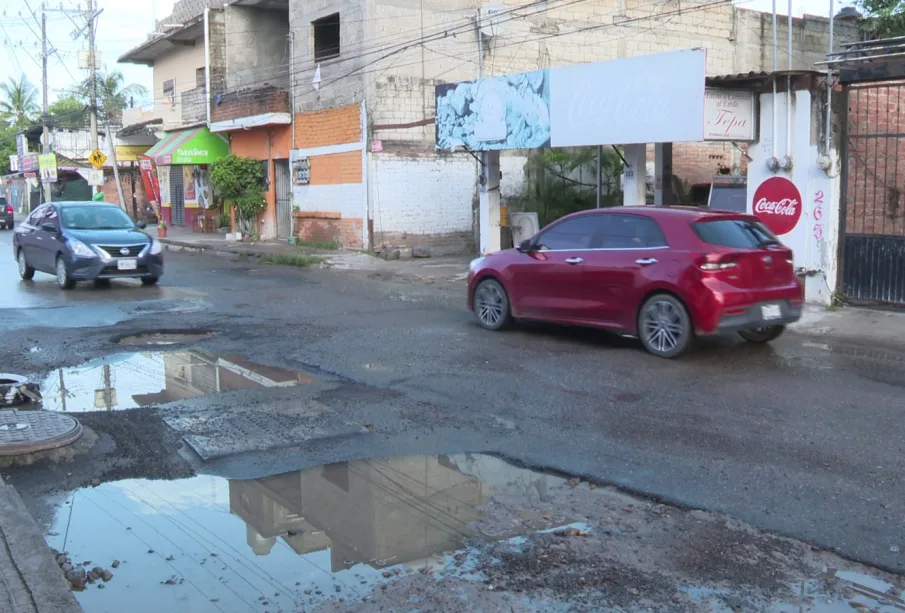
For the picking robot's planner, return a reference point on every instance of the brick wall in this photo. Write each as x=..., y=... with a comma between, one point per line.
x=336, y=168
x=328, y=127
x=876, y=166
x=343, y=78
x=424, y=199
x=111, y=194
x=250, y=102
x=319, y=227
x=334, y=202
x=698, y=162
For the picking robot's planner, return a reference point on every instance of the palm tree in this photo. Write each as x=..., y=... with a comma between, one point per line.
x=112, y=96
x=18, y=102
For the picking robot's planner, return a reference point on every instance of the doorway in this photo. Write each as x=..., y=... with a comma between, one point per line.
x=283, y=198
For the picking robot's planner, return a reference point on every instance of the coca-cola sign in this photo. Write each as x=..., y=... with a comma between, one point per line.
x=777, y=202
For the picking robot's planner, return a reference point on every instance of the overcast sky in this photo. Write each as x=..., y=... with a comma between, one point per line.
x=126, y=23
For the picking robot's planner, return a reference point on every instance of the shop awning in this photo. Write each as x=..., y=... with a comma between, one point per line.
x=188, y=147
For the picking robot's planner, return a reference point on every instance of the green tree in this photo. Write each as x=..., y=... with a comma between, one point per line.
x=68, y=112
x=565, y=181
x=239, y=182
x=885, y=18
x=7, y=147
x=18, y=102
x=113, y=96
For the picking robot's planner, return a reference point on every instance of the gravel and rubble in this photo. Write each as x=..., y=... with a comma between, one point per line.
x=629, y=554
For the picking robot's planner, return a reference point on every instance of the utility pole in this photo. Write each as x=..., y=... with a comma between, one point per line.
x=45, y=137
x=108, y=394
x=92, y=79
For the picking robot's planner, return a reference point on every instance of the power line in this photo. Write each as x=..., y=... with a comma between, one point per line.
x=297, y=78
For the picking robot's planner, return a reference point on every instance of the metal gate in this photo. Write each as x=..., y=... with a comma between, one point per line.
x=283, y=198
x=873, y=249
x=177, y=191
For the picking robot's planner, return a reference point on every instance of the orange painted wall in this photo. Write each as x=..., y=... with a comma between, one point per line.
x=336, y=168
x=265, y=144
x=328, y=127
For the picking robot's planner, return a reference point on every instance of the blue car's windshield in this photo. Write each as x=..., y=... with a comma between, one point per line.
x=95, y=218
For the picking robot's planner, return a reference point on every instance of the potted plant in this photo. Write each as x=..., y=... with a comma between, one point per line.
x=162, y=229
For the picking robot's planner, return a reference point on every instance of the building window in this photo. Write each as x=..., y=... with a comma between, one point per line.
x=200, y=76
x=169, y=91
x=326, y=37
x=265, y=174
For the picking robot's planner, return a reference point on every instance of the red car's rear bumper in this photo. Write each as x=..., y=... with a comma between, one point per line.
x=720, y=308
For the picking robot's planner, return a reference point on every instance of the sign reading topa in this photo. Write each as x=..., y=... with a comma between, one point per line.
x=645, y=99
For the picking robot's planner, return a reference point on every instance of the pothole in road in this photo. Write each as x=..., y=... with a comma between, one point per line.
x=133, y=380
x=170, y=337
x=291, y=541
x=462, y=531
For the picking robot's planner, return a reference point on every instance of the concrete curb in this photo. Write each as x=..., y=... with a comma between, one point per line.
x=30, y=579
x=172, y=245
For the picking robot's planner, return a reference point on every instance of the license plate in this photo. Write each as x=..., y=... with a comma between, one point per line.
x=771, y=311
x=126, y=264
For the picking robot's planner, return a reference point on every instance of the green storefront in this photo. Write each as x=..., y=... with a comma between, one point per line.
x=183, y=160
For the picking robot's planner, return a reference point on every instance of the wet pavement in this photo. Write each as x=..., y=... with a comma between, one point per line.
x=344, y=534
x=286, y=542
x=803, y=438
x=132, y=380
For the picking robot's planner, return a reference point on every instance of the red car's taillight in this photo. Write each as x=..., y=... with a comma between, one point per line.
x=717, y=262
x=9, y=210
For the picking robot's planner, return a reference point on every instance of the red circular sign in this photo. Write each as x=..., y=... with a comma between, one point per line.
x=778, y=204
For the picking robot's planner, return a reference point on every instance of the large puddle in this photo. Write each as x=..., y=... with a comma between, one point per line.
x=133, y=380
x=286, y=542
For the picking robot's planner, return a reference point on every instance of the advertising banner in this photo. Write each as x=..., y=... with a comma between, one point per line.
x=29, y=163
x=150, y=182
x=191, y=194
x=163, y=178
x=47, y=165
x=645, y=99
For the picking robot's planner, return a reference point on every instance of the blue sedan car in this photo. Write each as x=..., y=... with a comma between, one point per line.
x=86, y=241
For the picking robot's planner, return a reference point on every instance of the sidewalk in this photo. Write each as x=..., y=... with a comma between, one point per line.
x=882, y=328
x=451, y=268
x=30, y=579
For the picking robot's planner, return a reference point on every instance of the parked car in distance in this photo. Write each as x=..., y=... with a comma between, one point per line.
x=6, y=214
x=86, y=241
x=663, y=274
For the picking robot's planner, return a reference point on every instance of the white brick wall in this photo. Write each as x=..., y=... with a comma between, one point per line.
x=428, y=198
x=420, y=198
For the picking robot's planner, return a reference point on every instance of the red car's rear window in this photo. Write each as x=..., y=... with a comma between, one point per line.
x=735, y=233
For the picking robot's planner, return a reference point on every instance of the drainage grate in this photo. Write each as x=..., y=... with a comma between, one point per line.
x=31, y=431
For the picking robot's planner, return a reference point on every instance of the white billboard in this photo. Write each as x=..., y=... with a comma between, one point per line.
x=645, y=99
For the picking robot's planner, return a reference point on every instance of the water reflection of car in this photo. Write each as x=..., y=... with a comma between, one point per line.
x=86, y=241
x=6, y=214
x=665, y=274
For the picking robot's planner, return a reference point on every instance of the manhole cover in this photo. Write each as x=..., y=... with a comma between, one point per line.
x=31, y=431
x=163, y=338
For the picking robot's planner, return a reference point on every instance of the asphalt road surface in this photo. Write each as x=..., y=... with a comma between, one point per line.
x=803, y=438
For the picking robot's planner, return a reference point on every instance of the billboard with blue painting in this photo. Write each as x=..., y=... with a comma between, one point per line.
x=507, y=112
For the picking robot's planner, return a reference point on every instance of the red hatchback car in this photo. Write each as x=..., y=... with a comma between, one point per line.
x=664, y=274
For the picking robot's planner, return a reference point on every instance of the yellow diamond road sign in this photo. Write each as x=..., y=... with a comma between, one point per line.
x=97, y=159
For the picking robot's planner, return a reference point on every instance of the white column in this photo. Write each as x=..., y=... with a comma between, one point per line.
x=489, y=200
x=634, y=183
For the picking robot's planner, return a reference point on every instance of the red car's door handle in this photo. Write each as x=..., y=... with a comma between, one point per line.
x=646, y=262
x=574, y=261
